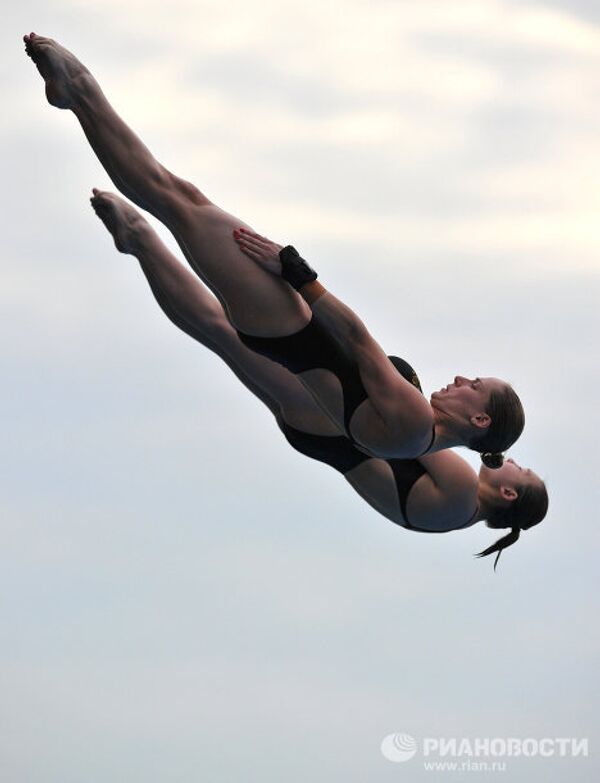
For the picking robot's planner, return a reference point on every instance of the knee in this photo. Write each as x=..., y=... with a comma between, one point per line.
x=218, y=329
x=183, y=192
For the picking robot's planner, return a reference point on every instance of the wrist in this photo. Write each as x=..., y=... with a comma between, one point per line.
x=312, y=291
x=294, y=269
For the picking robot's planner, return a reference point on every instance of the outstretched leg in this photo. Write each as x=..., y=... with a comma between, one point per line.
x=128, y=162
x=257, y=302
x=188, y=304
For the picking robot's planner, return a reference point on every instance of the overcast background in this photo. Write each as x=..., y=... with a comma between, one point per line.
x=182, y=596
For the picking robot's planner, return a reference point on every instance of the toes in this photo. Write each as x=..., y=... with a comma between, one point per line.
x=33, y=41
x=99, y=197
x=103, y=194
x=98, y=203
x=104, y=217
x=103, y=211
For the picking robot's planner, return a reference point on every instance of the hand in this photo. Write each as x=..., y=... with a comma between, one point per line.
x=259, y=249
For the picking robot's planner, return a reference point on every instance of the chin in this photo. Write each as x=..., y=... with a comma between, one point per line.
x=434, y=401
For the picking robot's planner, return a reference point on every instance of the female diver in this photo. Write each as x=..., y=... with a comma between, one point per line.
x=435, y=493
x=333, y=354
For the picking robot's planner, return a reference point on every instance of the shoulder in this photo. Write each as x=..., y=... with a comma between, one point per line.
x=446, y=496
x=449, y=471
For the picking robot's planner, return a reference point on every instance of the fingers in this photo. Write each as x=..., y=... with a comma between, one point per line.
x=253, y=236
x=246, y=236
x=244, y=242
x=251, y=233
x=253, y=254
x=259, y=248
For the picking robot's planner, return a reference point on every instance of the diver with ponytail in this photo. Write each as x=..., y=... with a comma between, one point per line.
x=519, y=508
x=436, y=493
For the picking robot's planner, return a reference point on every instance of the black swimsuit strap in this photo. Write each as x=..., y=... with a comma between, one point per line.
x=423, y=453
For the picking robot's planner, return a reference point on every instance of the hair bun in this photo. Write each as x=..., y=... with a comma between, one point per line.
x=492, y=460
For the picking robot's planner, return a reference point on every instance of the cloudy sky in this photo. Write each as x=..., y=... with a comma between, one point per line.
x=182, y=597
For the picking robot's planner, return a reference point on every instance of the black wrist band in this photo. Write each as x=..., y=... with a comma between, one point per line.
x=294, y=269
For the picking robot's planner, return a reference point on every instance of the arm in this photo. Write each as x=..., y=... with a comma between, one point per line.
x=443, y=499
x=403, y=411
x=339, y=320
x=448, y=497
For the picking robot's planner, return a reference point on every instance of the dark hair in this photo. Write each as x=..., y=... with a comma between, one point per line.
x=507, y=421
x=491, y=460
x=528, y=509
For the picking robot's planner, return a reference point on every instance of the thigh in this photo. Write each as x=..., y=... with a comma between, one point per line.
x=268, y=380
x=256, y=302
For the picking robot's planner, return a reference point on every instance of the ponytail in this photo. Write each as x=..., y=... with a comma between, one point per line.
x=501, y=544
x=527, y=510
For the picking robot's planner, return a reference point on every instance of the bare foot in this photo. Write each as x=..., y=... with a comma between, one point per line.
x=129, y=229
x=64, y=75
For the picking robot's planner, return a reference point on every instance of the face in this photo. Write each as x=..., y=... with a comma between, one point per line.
x=511, y=476
x=466, y=398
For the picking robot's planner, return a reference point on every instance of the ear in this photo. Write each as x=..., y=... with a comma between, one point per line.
x=508, y=493
x=481, y=420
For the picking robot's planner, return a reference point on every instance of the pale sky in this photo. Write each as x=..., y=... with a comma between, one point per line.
x=182, y=596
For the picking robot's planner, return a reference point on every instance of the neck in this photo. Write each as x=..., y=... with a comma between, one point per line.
x=484, y=501
x=445, y=436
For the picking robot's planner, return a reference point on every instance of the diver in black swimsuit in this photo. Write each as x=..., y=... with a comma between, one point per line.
x=340, y=452
x=439, y=492
x=313, y=347
x=393, y=420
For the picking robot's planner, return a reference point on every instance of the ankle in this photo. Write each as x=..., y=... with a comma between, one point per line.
x=84, y=90
x=143, y=239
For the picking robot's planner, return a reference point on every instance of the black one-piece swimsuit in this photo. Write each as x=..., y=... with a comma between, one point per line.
x=312, y=348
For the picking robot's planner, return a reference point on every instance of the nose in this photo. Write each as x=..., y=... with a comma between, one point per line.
x=459, y=380
x=512, y=462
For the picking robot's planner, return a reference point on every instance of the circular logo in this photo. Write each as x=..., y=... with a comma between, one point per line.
x=398, y=747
